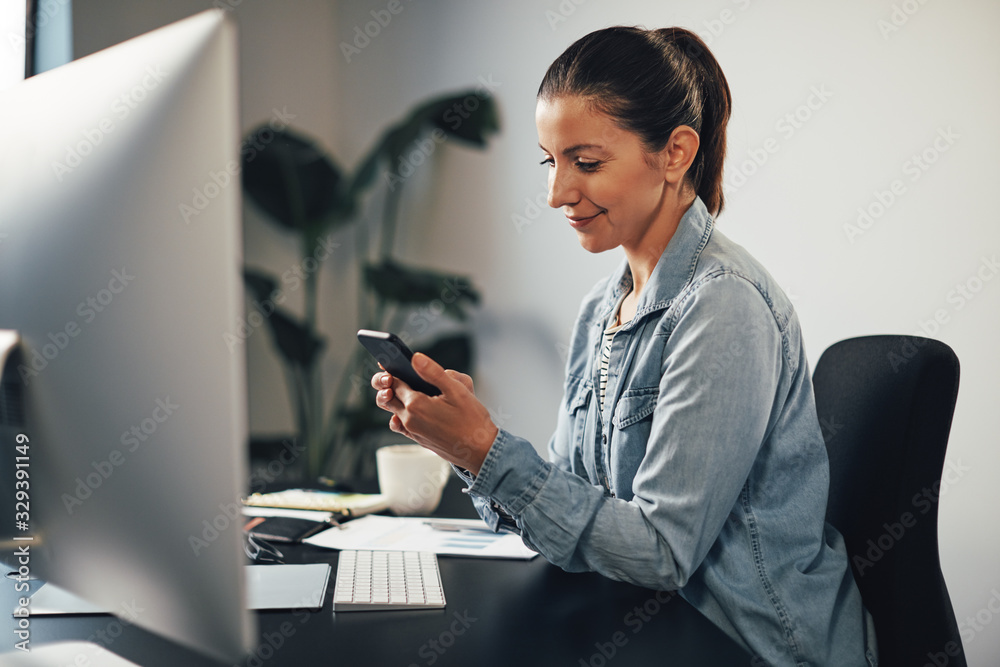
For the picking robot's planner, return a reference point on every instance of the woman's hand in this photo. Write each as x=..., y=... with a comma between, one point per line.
x=454, y=424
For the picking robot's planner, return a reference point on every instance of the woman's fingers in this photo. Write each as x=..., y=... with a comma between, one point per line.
x=381, y=380
x=455, y=424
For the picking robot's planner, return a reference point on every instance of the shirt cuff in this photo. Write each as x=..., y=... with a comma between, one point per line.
x=464, y=475
x=512, y=473
x=495, y=516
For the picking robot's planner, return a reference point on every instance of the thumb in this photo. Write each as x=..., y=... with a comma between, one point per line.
x=430, y=370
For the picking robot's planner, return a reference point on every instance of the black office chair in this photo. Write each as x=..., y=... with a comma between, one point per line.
x=885, y=404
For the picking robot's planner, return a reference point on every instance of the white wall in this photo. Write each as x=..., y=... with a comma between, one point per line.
x=885, y=97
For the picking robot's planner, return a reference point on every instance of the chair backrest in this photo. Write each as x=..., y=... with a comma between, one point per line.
x=885, y=404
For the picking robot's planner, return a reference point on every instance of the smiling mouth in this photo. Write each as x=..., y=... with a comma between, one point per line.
x=578, y=222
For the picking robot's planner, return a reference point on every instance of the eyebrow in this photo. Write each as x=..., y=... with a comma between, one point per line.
x=575, y=148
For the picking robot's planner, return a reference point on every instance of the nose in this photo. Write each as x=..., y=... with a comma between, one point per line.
x=563, y=191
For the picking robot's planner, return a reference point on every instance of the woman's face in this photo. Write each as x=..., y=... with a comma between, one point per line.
x=611, y=191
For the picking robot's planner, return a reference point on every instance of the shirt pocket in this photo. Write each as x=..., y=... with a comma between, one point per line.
x=578, y=396
x=633, y=422
x=635, y=405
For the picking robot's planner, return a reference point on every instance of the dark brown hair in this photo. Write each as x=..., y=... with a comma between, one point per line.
x=650, y=82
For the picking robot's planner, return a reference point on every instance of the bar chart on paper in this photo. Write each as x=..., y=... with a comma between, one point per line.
x=445, y=537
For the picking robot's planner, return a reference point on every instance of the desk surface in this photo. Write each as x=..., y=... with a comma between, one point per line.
x=505, y=613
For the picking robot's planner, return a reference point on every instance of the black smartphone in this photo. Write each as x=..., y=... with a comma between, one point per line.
x=395, y=356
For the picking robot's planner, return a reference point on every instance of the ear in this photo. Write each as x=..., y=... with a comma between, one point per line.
x=679, y=153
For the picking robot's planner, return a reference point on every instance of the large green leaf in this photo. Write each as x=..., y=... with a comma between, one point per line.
x=292, y=179
x=298, y=344
x=410, y=286
x=469, y=116
x=261, y=284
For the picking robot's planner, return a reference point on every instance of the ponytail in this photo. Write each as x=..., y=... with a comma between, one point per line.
x=650, y=82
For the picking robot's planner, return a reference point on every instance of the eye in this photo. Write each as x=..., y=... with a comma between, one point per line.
x=549, y=161
x=588, y=165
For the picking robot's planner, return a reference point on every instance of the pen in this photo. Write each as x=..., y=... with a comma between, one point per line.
x=457, y=528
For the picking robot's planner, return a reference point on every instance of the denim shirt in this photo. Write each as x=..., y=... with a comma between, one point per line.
x=706, y=469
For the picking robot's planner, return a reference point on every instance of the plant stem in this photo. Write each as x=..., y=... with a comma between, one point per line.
x=316, y=423
x=390, y=216
x=297, y=392
x=361, y=250
x=332, y=434
x=311, y=297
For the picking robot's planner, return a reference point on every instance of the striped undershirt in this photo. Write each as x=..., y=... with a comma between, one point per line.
x=609, y=334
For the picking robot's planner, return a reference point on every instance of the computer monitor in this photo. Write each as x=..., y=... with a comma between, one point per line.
x=120, y=271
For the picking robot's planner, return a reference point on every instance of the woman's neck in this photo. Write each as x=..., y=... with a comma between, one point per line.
x=643, y=255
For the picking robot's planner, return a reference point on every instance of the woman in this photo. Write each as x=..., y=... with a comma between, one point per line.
x=687, y=454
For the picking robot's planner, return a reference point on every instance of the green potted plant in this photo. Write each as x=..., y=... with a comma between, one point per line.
x=302, y=189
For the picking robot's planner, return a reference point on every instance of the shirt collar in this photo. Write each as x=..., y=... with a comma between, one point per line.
x=673, y=270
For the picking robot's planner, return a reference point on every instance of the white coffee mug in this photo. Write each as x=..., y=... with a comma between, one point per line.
x=412, y=477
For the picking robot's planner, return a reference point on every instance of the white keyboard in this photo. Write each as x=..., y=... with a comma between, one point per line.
x=380, y=580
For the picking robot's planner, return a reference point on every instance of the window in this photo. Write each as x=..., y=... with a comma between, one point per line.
x=36, y=35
